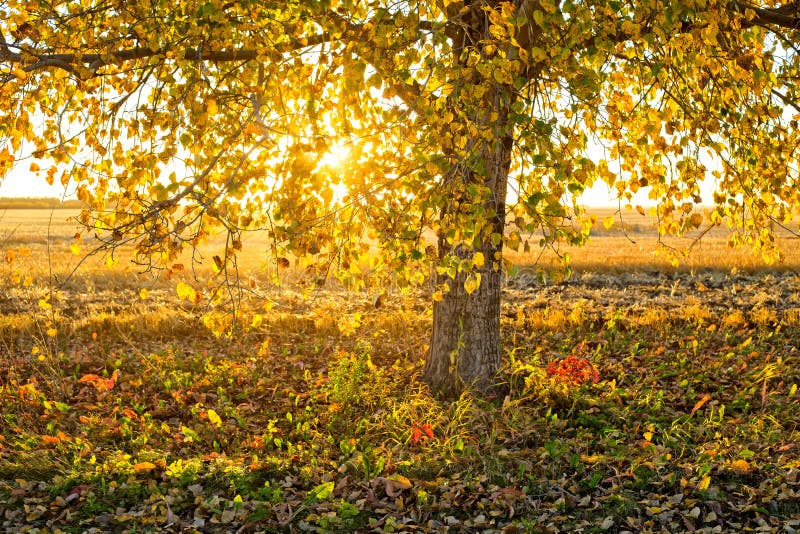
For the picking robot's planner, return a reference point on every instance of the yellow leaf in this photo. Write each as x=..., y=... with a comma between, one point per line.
x=214, y=418
x=438, y=296
x=75, y=248
x=608, y=222
x=51, y=332
x=189, y=434
x=19, y=73
x=472, y=283
x=185, y=291
x=704, y=483
x=211, y=107
x=401, y=482
x=218, y=265
x=631, y=28
x=478, y=260
x=538, y=54
x=143, y=294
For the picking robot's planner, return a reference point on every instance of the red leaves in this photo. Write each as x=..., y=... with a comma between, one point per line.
x=573, y=370
x=421, y=432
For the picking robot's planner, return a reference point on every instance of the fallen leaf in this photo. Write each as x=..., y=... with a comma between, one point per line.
x=706, y=397
x=144, y=466
x=214, y=418
x=740, y=466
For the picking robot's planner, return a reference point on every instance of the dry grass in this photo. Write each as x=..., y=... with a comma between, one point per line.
x=633, y=244
x=42, y=239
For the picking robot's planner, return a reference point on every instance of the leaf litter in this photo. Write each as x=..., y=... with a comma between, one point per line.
x=628, y=402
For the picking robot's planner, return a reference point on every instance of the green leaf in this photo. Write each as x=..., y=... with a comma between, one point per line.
x=189, y=434
x=321, y=492
x=534, y=199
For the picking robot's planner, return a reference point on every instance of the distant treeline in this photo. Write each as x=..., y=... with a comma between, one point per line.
x=33, y=203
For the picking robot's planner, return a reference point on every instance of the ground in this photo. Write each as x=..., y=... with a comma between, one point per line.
x=640, y=398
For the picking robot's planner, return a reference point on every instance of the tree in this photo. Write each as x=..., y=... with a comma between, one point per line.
x=173, y=118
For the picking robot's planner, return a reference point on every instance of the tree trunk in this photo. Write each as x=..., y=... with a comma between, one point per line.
x=465, y=344
x=464, y=350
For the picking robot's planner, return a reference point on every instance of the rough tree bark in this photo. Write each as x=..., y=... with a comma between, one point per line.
x=465, y=342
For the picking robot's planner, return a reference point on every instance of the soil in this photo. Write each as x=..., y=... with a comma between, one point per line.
x=716, y=292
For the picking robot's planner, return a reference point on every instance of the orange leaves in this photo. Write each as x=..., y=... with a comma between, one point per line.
x=6, y=160
x=29, y=391
x=51, y=442
x=100, y=383
x=704, y=399
x=741, y=467
x=573, y=370
x=143, y=467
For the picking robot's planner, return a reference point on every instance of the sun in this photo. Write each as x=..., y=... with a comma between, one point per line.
x=335, y=157
x=334, y=161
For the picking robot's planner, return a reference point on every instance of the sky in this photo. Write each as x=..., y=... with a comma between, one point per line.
x=22, y=184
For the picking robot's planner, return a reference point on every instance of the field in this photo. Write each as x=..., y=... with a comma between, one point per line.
x=636, y=396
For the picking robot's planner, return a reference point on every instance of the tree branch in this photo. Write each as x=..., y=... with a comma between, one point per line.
x=69, y=61
x=787, y=16
x=787, y=100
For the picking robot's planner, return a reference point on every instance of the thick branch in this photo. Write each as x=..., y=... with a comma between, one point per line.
x=787, y=16
x=71, y=61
